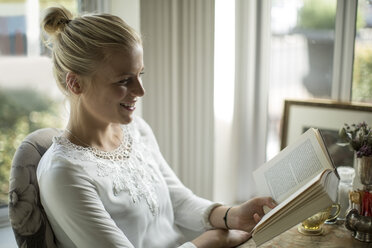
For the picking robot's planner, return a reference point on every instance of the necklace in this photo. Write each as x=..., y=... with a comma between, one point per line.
x=69, y=131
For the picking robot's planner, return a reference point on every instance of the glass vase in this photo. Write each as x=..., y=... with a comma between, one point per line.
x=364, y=172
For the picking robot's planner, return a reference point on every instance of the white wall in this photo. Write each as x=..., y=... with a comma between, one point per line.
x=128, y=10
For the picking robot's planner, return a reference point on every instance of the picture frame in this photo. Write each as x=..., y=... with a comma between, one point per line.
x=329, y=117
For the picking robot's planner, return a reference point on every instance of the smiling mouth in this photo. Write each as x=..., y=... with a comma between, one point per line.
x=128, y=106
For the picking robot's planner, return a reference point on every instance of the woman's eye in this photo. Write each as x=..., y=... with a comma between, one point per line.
x=128, y=80
x=123, y=82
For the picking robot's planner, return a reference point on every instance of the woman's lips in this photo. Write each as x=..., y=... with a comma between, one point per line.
x=129, y=106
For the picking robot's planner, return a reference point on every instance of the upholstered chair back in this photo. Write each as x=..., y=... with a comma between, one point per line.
x=27, y=217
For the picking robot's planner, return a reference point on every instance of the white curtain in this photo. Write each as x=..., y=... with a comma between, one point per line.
x=179, y=56
x=251, y=91
x=178, y=104
x=93, y=6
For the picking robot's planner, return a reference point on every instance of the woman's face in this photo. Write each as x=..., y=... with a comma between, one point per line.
x=115, y=88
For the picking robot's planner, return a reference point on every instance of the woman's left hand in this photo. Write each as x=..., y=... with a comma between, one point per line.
x=247, y=215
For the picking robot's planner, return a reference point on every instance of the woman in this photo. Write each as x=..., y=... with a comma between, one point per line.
x=104, y=182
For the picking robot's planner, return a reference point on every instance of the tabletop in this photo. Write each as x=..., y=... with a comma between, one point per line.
x=334, y=235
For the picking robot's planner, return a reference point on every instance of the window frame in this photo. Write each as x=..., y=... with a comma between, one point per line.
x=343, y=58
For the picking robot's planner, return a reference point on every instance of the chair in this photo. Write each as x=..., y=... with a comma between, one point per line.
x=27, y=217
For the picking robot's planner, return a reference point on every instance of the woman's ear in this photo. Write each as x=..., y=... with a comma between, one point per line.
x=73, y=83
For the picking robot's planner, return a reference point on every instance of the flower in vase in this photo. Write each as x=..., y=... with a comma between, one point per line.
x=358, y=137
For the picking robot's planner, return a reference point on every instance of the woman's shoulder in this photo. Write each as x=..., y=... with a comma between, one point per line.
x=141, y=124
x=61, y=158
x=143, y=132
x=141, y=127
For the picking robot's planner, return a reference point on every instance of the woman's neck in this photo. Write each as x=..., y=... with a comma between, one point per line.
x=85, y=132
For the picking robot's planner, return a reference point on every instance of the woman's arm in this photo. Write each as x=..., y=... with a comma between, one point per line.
x=190, y=211
x=196, y=213
x=242, y=217
x=220, y=238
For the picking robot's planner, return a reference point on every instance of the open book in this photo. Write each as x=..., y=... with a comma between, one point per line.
x=302, y=179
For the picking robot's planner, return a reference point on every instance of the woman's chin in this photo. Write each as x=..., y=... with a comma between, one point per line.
x=126, y=120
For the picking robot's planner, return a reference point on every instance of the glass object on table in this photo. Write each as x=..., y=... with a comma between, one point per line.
x=364, y=165
x=314, y=224
x=345, y=186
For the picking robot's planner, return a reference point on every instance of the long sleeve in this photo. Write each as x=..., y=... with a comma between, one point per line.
x=70, y=199
x=191, y=212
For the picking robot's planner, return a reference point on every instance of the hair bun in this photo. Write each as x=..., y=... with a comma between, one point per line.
x=55, y=19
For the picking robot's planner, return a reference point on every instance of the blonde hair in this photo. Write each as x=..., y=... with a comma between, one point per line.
x=79, y=44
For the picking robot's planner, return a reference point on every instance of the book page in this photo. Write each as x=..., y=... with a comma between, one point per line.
x=292, y=168
x=291, y=201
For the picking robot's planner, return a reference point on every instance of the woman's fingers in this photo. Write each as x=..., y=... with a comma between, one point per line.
x=256, y=217
x=237, y=237
x=268, y=201
x=272, y=203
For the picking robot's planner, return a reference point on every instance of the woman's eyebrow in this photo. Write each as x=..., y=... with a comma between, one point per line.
x=128, y=73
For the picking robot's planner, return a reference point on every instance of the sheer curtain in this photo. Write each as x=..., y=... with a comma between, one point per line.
x=251, y=88
x=178, y=57
x=96, y=6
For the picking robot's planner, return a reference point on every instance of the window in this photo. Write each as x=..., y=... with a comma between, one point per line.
x=29, y=97
x=302, y=44
x=362, y=70
x=306, y=35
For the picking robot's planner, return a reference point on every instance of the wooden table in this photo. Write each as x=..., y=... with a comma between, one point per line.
x=335, y=235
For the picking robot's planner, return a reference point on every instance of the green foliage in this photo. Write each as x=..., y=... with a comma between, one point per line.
x=317, y=14
x=362, y=74
x=321, y=14
x=21, y=112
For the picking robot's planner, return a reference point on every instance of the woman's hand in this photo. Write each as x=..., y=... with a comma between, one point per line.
x=247, y=215
x=220, y=238
x=242, y=217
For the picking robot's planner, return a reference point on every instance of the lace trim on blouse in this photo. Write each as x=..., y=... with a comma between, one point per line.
x=130, y=166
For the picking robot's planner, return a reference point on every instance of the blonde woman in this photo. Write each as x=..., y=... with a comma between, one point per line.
x=104, y=182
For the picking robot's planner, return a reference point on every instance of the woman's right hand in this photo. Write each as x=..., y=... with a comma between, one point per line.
x=221, y=238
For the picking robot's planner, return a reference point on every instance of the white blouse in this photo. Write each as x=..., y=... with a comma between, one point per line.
x=125, y=198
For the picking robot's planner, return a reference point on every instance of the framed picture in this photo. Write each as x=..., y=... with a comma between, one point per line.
x=328, y=117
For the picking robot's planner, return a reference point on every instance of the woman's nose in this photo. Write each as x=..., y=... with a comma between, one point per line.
x=138, y=89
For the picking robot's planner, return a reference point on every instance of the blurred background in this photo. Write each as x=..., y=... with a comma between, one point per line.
x=217, y=74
